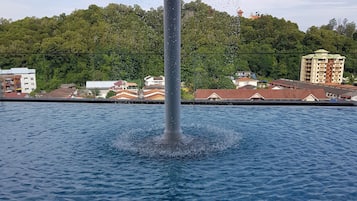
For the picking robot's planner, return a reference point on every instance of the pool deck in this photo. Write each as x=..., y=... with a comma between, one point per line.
x=184, y=102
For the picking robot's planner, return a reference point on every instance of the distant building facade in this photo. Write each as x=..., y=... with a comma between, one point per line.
x=332, y=91
x=120, y=87
x=21, y=80
x=244, y=82
x=322, y=67
x=154, y=88
x=154, y=82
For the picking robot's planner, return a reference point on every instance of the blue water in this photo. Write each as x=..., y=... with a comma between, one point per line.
x=57, y=151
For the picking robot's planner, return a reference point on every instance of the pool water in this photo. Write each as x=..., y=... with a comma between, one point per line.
x=64, y=151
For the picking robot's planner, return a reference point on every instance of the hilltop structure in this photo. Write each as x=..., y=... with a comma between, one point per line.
x=322, y=67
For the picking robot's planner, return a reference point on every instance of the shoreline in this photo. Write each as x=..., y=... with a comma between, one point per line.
x=185, y=102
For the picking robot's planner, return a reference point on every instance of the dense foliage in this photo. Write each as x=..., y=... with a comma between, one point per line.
x=125, y=42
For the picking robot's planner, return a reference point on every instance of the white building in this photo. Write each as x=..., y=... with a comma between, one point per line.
x=244, y=82
x=103, y=87
x=151, y=81
x=100, y=84
x=27, y=78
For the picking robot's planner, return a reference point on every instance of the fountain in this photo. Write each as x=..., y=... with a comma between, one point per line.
x=172, y=24
x=95, y=151
x=198, y=140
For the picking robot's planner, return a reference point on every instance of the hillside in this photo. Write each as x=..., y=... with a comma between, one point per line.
x=124, y=42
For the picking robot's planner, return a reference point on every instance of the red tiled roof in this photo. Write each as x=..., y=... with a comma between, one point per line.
x=341, y=86
x=152, y=91
x=266, y=94
x=125, y=94
x=119, y=83
x=154, y=94
x=335, y=89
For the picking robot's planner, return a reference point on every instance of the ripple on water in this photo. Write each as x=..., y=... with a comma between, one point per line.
x=197, y=141
x=75, y=152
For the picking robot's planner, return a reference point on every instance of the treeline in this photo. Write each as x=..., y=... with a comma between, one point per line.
x=126, y=42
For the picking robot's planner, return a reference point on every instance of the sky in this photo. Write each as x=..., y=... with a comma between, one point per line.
x=305, y=13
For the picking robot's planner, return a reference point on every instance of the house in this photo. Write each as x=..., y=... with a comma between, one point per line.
x=333, y=91
x=154, y=88
x=154, y=94
x=124, y=85
x=101, y=85
x=152, y=82
x=126, y=94
x=10, y=83
x=261, y=94
x=21, y=80
x=244, y=82
x=149, y=94
x=105, y=86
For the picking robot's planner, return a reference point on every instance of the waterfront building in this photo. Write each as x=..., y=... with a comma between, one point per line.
x=105, y=86
x=154, y=82
x=322, y=67
x=245, y=82
x=332, y=91
x=20, y=80
x=261, y=94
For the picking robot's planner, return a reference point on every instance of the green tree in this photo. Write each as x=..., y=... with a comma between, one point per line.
x=110, y=94
x=126, y=42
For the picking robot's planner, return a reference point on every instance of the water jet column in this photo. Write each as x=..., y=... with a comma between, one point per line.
x=172, y=60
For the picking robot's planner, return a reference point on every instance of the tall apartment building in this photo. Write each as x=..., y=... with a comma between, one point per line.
x=18, y=80
x=322, y=67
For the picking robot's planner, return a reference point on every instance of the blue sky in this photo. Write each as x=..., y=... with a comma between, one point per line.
x=305, y=13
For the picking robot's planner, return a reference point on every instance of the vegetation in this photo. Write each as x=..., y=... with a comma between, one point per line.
x=110, y=94
x=125, y=42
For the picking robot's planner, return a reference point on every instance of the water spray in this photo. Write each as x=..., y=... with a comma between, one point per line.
x=172, y=43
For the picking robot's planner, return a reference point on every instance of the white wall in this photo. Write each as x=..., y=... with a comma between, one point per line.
x=28, y=83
